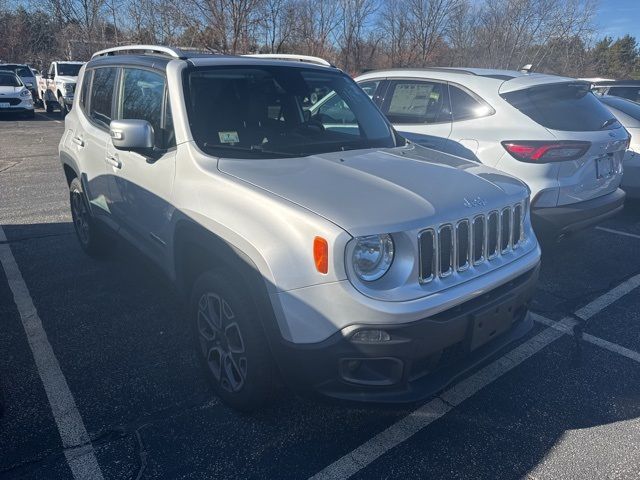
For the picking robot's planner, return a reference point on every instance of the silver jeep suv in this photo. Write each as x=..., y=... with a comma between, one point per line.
x=325, y=251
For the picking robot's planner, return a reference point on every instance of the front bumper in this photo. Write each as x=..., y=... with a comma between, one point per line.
x=576, y=216
x=421, y=358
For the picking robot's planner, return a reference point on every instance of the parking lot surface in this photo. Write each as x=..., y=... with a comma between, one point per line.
x=129, y=392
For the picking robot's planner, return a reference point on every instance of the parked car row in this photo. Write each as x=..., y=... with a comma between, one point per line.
x=52, y=90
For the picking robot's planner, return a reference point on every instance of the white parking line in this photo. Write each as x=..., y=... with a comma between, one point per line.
x=368, y=452
x=48, y=118
x=603, y=301
x=618, y=232
x=600, y=342
x=77, y=445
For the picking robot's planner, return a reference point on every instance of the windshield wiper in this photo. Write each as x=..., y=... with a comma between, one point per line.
x=251, y=149
x=611, y=121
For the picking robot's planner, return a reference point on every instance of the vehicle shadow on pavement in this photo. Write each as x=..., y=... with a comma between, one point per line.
x=118, y=330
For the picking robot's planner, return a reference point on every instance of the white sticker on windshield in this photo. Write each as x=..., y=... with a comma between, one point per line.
x=228, y=137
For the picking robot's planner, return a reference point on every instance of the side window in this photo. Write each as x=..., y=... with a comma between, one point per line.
x=104, y=80
x=142, y=97
x=370, y=87
x=631, y=93
x=335, y=111
x=416, y=101
x=465, y=106
x=86, y=84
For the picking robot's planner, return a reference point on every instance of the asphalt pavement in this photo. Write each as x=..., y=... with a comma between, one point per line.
x=551, y=408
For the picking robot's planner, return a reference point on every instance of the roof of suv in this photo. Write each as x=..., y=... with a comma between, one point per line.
x=197, y=60
x=505, y=80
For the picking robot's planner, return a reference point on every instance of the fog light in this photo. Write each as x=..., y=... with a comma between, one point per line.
x=371, y=336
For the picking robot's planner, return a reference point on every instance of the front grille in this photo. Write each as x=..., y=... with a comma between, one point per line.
x=10, y=101
x=457, y=246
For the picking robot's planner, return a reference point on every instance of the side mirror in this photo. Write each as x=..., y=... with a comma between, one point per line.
x=133, y=135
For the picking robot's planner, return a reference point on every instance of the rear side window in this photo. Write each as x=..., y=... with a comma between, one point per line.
x=415, y=101
x=629, y=108
x=567, y=107
x=631, y=93
x=142, y=98
x=84, y=93
x=104, y=80
x=465, y=106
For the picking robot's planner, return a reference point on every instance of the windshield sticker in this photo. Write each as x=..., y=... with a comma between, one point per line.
x=228, y=137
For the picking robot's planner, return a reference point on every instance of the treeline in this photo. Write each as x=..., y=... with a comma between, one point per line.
x=554, y=36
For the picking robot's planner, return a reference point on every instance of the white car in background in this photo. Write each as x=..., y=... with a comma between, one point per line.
x=549, y=131
x=15, y=97
x=628, y=113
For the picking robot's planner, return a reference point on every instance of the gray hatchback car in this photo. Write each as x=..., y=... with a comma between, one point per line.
x=335, y=255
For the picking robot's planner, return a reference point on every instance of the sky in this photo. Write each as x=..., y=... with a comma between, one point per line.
x=616, y=18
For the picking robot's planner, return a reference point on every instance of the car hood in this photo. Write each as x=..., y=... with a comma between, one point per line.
x=375, y=191
x=10, y=91
x=66, y=79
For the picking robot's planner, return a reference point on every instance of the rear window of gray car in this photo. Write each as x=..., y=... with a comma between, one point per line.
x=627, y=107
x=567, y=107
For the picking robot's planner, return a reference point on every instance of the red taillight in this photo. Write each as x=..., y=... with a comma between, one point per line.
x=544, y=152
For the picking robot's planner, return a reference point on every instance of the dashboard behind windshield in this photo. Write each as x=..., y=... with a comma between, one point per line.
x=267, y=111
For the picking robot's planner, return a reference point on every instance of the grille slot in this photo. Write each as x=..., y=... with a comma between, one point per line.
x=517, y=225
x=426, y=245
x=492, y=235
x=445, y=250
x=505, y=230
x=457, y=246
x=478, y=239
x=463, y=245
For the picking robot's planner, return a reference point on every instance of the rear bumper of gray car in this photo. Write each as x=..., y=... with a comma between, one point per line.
x=576, y=216
x=420, y=358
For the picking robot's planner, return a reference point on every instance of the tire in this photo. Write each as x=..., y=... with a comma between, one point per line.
x=92, y=238
x=47, y=106
x=230, y=341
x=63, y=107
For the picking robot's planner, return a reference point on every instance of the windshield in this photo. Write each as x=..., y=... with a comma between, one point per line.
x=9, y=80
x=20, y=70
x=69, y=69
x=266, y=111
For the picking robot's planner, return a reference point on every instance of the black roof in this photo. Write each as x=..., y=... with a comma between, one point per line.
x=618, y=83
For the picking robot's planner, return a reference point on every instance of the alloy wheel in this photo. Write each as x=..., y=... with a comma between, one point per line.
x=80, y=214
x=221, y=342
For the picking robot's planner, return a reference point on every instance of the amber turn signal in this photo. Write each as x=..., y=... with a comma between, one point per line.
x=321, y=254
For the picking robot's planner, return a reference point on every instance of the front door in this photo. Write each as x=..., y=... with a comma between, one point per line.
x=144, y=182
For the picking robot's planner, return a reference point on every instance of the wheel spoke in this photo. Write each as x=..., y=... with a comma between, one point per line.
x=215, y=357
x=234, y=338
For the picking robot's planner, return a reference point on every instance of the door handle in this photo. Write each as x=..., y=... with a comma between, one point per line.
x=78, y=141
x=114, y=161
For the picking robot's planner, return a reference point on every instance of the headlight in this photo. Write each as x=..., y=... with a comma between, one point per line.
x=372, y=256
x=25, y=93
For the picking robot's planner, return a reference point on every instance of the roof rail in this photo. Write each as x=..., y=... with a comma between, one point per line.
x=292, y=57
x=156, y=49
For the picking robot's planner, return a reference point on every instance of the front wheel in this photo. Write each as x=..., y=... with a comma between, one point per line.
x=63, y=107
x=92, y=238
x=231, y=342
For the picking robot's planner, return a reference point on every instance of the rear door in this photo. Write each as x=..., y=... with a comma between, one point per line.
x=571, y=112
x=90, y=138
x=419, y=110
